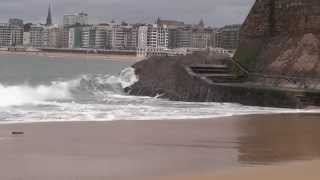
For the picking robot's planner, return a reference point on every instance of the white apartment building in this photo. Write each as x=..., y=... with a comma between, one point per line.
x=157, y=36
x=26, y=39
x=45, y=37
x=103, y=37
x=163, y=36
x=10, y=35
x=152, y=38
x=200, y=39
x=36, y=33
x=119, y=38
x=142, y=37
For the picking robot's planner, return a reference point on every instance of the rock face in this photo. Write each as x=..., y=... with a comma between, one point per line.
x=167, y=77
x=281, y=37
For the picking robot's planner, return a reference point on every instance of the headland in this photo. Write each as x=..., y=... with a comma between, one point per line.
x=276, y=64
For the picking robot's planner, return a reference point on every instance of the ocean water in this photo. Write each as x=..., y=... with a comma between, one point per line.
x=42, y=89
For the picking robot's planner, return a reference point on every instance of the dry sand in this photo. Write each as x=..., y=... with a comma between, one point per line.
x=127, y=150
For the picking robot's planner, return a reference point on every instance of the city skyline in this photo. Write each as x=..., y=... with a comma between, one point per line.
x=214, y=13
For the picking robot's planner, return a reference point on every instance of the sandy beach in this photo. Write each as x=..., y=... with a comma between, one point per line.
x=233, y=147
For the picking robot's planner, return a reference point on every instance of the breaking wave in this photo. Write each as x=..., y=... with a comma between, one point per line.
x=86, y=85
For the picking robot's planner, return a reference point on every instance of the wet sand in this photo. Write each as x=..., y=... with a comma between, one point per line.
x=120, y=150
x=292, y=171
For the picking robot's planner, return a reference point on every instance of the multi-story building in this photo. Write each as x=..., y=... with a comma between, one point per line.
x=75, y=19
x=228, y=37
x=157, y=36
x=82, y=18
x=163, y=36
x=142, y=37
x=65, y=37
x=124, y=37
x=26, y=39
x=200, y=38
x=88, y=37
x=10, y=35
x=152, y=38
x=132, y=37
x=16, y=22
x=99, y=37
x=36, y=33
x=170, y=23
x=183, y=37
x=69, y=20
x=46, y=36
x=55, y=36
x=118, y=37
x=75, y=37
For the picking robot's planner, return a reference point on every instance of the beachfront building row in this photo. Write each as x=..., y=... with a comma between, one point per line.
x=102, y=36
x=137, y=36
x=77, y=33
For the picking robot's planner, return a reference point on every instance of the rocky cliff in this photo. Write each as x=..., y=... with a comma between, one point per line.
x=282, y=37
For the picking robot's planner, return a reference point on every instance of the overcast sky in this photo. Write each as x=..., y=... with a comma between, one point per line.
x=213, y=12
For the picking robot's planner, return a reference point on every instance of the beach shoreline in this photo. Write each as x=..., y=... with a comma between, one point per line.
x=57, y=55
x=177, y=149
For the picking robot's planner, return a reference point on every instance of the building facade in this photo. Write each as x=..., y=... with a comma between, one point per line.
x=36, y=33
x=75, y=19
x=10, y=35
x=228, y=37
x=16, y=22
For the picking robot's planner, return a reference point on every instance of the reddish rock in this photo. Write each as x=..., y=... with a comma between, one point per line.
x=282, y=37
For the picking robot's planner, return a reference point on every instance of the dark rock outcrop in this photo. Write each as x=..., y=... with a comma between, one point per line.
x=167, y=77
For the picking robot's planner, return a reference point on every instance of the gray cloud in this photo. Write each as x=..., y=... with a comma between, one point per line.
x=214, y=12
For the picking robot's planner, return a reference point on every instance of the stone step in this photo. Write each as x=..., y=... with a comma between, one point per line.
x=208, y=71
x=220, y=75
x=208, y=66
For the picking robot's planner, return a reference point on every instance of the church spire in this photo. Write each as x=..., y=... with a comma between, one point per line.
x=49, y=17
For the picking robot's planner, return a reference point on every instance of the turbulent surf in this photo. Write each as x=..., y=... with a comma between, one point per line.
x=94, y=95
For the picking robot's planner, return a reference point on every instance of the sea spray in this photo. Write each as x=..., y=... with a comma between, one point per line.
x=19, y=95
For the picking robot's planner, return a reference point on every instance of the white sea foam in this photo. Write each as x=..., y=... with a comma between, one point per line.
x=19, y=95
x=24, y=94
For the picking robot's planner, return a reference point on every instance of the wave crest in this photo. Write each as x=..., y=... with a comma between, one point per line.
x=19, y=95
